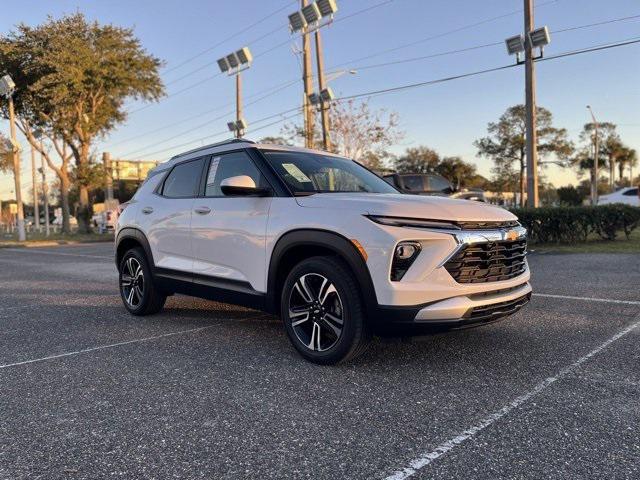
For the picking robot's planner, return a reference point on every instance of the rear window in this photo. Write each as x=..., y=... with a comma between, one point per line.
x=632, y=192
x=184, y=179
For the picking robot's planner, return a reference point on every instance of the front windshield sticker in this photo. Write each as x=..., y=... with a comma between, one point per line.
x=295, y=172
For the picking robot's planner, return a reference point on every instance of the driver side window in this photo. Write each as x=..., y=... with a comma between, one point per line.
x=230, y=165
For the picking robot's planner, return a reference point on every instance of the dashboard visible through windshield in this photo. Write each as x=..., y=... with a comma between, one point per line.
x=309, y=173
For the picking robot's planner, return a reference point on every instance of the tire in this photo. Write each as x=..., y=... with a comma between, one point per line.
x=321, y=296
x=139, y=295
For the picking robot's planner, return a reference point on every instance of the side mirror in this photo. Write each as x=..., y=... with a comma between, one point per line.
x=242, y=185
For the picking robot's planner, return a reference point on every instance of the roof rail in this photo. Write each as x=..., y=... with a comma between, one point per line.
x=230, y=141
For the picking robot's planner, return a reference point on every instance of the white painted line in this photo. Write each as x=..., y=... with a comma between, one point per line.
x=119, y=344
x=427, y=458
x=103, y=347
x=588, y=299
x=46, y=252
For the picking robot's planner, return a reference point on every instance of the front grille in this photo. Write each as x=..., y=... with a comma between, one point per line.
x=496, y=310
x=490, y=225
x=488, y=262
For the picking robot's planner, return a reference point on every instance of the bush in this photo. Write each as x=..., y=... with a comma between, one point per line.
x=575, y=224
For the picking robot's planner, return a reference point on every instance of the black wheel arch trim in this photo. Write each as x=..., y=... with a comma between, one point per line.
x=137, y=235
x=335, y=242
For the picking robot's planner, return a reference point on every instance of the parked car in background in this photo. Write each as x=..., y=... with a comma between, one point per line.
x=105, y=215
x=627, y=195
x=431, y=184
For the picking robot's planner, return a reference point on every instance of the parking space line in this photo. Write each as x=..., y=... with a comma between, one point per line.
x=103, y=347
x=428, y=457
x=587, y=299
x=46, y=252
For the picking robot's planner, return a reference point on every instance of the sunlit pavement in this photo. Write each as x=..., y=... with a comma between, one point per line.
x=204, y=390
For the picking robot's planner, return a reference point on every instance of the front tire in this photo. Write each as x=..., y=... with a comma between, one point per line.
x=137, y=290
x=323, y=313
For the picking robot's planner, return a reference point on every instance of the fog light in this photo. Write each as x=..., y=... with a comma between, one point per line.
x=404, y=255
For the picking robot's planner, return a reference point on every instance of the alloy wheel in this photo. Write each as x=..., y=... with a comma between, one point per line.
x=132, y=282
x=316, y=312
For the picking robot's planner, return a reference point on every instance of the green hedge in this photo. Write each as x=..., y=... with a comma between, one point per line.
x=575, y=224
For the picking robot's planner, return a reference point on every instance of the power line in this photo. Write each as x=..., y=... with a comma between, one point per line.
x=373, y=93
x=260, y=54
x=246, y=29
x=595, y=48
x=269, y=91
x=402, y=61
x=226, y=132
x=207, y=123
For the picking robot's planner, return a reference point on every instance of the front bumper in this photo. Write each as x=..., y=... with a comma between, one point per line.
x=475, y=308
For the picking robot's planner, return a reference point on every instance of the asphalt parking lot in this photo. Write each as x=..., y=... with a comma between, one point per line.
x=205, y=390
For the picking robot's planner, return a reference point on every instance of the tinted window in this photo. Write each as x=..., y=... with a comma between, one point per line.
x=632, y=192
x=231, y=165
x=415, y=183
x=435, y=183
x=315, y=173
x=183, y=180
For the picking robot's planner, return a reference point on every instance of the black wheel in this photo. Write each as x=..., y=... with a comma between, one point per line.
x=139, y=295
x=322, y=311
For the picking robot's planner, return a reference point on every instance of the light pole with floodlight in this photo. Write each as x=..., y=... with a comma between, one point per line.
x=533, y=38
x=233, y=64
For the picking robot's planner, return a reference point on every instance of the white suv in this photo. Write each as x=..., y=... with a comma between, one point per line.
x=320, y=240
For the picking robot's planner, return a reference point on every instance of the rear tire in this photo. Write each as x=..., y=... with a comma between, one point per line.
x=139, y=294
x=323, y=312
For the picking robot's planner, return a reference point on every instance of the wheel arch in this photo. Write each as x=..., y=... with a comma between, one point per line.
x=129, y=238
x=296, y=245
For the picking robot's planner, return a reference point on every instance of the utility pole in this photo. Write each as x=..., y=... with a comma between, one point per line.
x=239, y=131
x=307, y=78
x=34, y=181
x=324, y=108
x=596, y=157
x=16, y=173
x=45, y=193
x=530, y=101
x=106, y=160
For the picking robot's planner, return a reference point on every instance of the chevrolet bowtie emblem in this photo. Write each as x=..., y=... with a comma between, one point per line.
x=511, y=235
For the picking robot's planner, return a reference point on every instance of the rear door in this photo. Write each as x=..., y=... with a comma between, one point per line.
x=229, y=232
x=166, y=218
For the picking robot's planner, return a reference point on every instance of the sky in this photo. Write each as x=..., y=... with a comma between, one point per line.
x=448, y=117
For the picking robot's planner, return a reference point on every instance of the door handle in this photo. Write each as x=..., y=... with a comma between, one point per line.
x=202, y=210
x=147, y=210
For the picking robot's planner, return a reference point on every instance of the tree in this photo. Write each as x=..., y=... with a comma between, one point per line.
x=417, y=160
x=627, y=158
x=6, y=160
x=357, y=132
x=506, y=144
x=569, y=196
x=73, y=78
x=275, y=140
x=460, y=173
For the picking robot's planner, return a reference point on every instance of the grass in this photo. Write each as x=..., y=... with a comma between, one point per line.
x=39, y=239
x=594, y=245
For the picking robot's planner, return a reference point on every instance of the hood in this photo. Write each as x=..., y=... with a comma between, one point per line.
x=412, y=206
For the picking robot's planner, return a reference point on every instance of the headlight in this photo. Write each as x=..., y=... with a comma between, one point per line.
x=413, y=222
x=404, y=255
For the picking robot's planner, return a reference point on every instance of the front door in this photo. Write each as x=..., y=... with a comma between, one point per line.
x=228, y=233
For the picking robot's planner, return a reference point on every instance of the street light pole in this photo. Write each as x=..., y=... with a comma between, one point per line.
x=239, y=131
x=596, y=157
x=530, y=101
x=16, y=173
x=307, y=78
x=324, y=109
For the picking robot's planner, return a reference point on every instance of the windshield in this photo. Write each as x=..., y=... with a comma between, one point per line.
x=308, y=173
